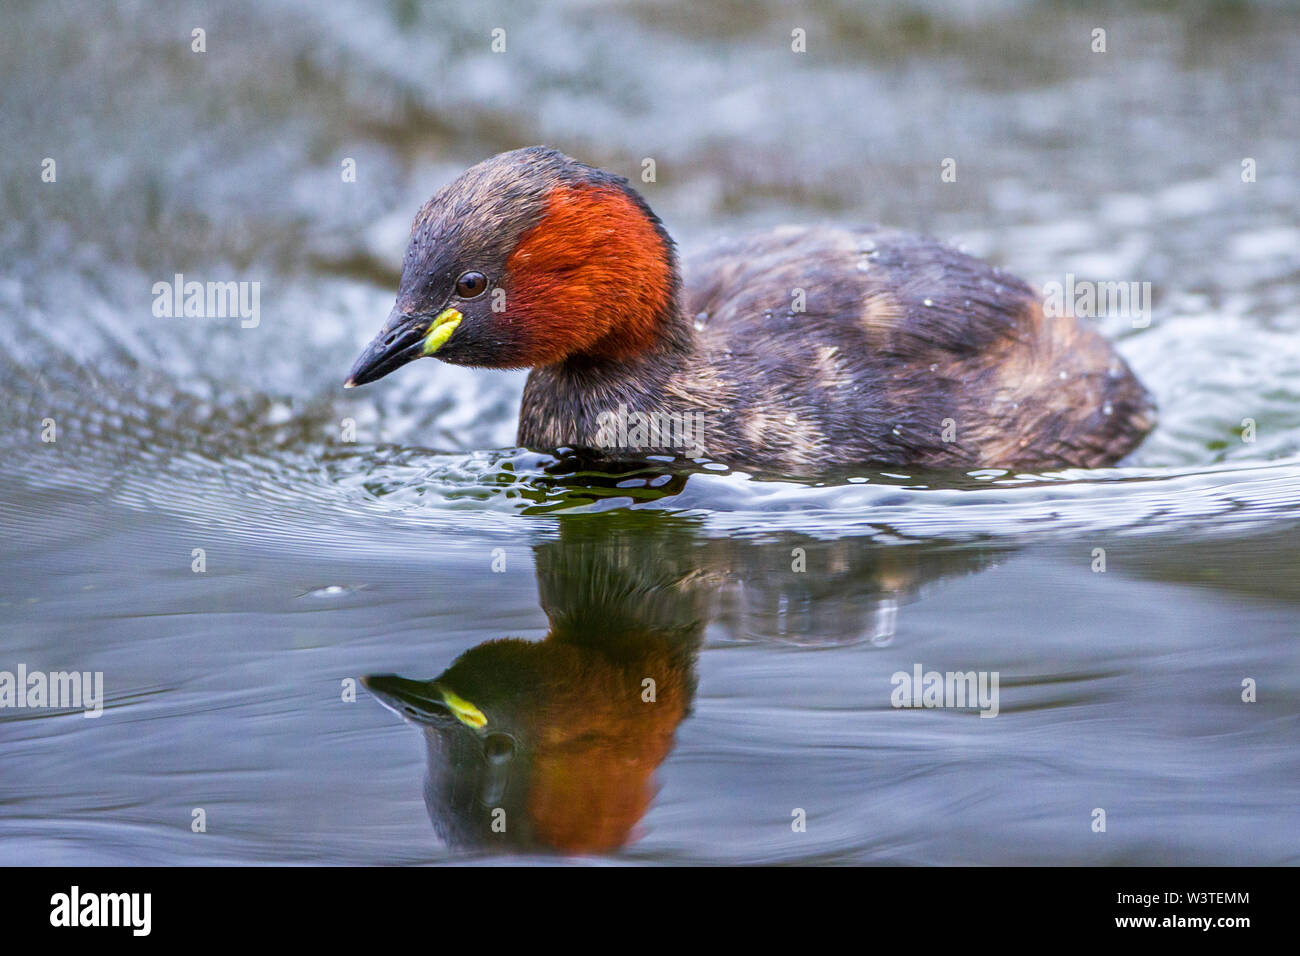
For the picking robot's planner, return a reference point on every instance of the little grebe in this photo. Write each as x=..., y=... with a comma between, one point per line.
x=797, y=349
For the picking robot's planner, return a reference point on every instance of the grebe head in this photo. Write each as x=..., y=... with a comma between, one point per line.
x=527, y=259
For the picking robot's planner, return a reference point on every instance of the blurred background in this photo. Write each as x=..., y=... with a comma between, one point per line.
x=337, y=549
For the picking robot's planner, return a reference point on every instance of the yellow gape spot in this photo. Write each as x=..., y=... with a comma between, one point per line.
x=465, y=712
x=441, y=329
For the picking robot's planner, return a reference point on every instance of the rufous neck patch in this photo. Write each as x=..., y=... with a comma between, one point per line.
x=593, y=276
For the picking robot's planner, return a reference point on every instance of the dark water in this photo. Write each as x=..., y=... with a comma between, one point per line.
x=770, y=615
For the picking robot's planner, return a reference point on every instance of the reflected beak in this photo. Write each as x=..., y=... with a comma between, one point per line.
x=422, y=701
x=416, y=700
x=404, y=338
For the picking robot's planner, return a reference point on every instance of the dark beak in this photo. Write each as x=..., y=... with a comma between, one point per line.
x=400, y=341
x=415, y=700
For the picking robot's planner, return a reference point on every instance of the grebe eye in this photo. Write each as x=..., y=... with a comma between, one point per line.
x=471, y=284
x=499, y=748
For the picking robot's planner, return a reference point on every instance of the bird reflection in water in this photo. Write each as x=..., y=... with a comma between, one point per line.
x=552, y=745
